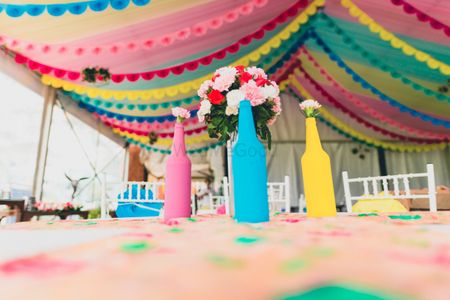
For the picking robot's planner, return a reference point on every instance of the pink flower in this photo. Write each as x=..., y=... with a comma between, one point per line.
x=181, y=113
x=204, y=87
x=223, y=82
x=277, y=107
x=253, y=93
x=271, y=121
x=277, y=101
x=256, y=72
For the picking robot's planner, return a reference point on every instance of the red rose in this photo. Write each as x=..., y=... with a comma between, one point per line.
x=245, y=77
x=215, y=97
x=261, y=81
x=240, y=69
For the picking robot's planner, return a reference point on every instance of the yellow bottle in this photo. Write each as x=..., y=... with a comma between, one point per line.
x=317, y=178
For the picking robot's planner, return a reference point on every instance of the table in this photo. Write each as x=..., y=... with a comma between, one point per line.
x=29, y=214
x=18, y=204
x=397, y=256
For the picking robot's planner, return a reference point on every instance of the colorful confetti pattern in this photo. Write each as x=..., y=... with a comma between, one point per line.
x=360, y=257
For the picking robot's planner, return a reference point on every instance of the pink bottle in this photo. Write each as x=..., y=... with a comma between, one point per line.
x=177, y=202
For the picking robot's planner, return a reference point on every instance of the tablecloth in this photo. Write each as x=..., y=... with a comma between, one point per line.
x=366, y=256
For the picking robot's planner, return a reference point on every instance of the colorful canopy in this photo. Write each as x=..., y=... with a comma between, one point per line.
x=385, y=64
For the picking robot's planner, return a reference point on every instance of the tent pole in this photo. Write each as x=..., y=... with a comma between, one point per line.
x=44, y=137
x=230, y=177
x=125, y=162
x=382, y=162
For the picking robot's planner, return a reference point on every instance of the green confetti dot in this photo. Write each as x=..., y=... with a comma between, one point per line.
x=339, y=293
x=405, y=217
x=320, y=251
x=293, y=265
x=136, y=247
x=50, y=223
x=276, y=214
x=247, y=239
x=286, y=242
x=368, y=215
x=175, y=230
x=225, y=262
x=89, y=223
x=192, y=219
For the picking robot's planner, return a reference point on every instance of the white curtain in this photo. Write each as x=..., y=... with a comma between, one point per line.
x=407, y=162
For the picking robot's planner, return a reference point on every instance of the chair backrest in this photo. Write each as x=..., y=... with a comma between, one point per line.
x=398, y=181
x=278, y=194
x=302, y=204
x=129, y=192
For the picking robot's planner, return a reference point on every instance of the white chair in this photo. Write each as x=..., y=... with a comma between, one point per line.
x=278, y=194
x=397, y=180
x=123, y=192
x=302, y=204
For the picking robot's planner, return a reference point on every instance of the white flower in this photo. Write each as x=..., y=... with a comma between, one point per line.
x=310, y=108
x=310, y=104
x=205, y=107
x=269, y=91
x=226, y=71
x=181, y=113
x=204, y=87
x=231, y=110
x=275, y=85
x=234, y=97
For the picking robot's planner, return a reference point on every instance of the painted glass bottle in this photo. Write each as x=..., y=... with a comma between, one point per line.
x=249, y=171
x=317, y=177
x=177, y=202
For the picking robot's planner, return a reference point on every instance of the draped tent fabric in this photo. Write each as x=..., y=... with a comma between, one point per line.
x=380, y=68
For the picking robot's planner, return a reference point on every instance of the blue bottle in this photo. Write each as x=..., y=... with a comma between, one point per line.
x=251, y=203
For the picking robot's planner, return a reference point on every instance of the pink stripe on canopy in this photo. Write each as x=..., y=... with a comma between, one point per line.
x=143, y=60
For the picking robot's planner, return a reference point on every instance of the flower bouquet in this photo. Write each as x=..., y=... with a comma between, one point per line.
x=96, y=74
x=56, y=207
x=243, y=100
x=310, y=108
x=222, y=95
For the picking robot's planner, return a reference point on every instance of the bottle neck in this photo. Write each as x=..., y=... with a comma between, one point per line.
x=312, y=135
x=178, y=145
x=246, y=124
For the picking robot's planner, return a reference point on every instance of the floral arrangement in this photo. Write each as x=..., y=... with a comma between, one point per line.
x=96, y=74
x=181, y=114
x=310, y=108
x=56, y=207
x=152, y=137
x=220, y=98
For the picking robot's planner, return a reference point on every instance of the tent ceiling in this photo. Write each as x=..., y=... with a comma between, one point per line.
x=210, y=25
